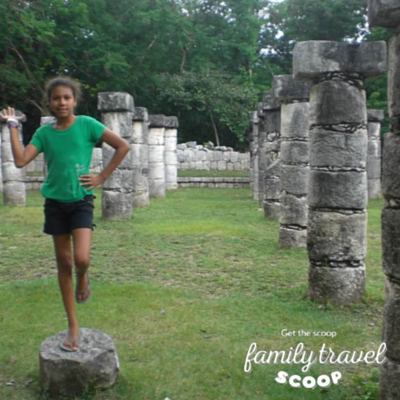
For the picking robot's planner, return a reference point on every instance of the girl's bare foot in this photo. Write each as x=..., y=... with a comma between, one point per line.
x=71, y=341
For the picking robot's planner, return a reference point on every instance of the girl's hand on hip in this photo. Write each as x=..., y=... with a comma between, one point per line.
x=91, y=180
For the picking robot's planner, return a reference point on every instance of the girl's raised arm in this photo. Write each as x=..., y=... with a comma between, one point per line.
x=22, y=156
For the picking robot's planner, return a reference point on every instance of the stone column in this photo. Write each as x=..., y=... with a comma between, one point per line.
x=157, y=156
x=294, y=96
x=337, y=194
x=253, y=148
x=387, y=14
x=171, y=155
x=117, y=199
x=374, y=158
x=256, y=154
x=13, y=178
x=261, y=156
x=271, y=149
x=140, y=157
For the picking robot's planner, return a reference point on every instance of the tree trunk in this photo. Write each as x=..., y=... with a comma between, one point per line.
x=215, y=129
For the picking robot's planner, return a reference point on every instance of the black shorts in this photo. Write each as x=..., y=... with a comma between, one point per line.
x=61, y=218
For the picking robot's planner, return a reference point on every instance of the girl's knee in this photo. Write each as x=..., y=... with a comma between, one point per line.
x=64, y=263
x=82, y=261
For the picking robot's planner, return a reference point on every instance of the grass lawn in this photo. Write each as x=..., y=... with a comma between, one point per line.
x=184, y=288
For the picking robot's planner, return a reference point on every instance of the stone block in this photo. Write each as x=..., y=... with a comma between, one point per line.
x=375, y=115
x=294, y=210
x=269, y=103
x=140, y=114
x=116, y=206
x=115, y=101
x=336, y=236
x=271, y=209
x=337, y=102
x=374, y=189
x=384, y=13
x=171, y=158
x=374, y=168
x=274, y=170
x=312, y=59
x=394, y=76
x=286, y=90
x=157, y=189
x=11, y=173
x=344, y=190
x=94, y=366
x=271, y=188
x=184, y=165
x=156, y=154
x=294, y=179
x=339, y=149
x=339, y=285
x=139, y=155
x=221, y=165
x=391, y=166
x=374, y=131
x=171, y=123
x=140, y=133
x=391, y=242
x=156, y=172
x=108, y=153
x=118, y=122
x=389, y=380
x=158, y=121
x=119, y=179
x=272, y=123
x=170, y=144
x=294, y=152
x=295, y=120
x=292, y=238
x=198, y=165
x=191, y=145
x=156, y=137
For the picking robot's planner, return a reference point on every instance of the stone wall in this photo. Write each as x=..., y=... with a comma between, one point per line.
x=227, y=183
x=194, y=156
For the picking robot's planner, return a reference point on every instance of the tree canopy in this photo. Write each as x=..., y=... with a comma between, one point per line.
x=206, y=61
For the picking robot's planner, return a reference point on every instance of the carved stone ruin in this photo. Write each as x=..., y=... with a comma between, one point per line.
x=337, y=193
x=69, y=374
x=374, y=157
x=156, y=142
x=140, y=157
x=270, y=150
x=117, y=113
x=387, y=14
x=294, y=96
x=254, y=155
x=13, y=178
x=171, y=155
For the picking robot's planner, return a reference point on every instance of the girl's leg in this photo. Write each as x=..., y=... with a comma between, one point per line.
x=62, y=247
x=82, y=240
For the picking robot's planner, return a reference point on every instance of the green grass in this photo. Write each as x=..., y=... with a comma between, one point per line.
x=194, y=173
x=211, y=261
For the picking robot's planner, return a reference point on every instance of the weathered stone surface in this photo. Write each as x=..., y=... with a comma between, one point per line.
x=339, y=149
x=295, y=120
x=292, y=238
x=118, y=122
x=391, y=166
x=344, y=190
x=108, y=153
x=66, y=374
x=272, y=188
x=294, y=210
x=270, y=103
x=286, y=90
x=384, y=13
x=272, y=209
x=271, y=123
x=156, y=137
x=14, y=194
x=119, y=179
x=391, y=320
x=171, y=123
x=140, y=114
x=116, y=206
x=391, y=242
x=374, y=131
x=11, y=173
x=339, y=285
x=139, y=155
x=312, y=59
x=336, y=236
x=294, y=152
x=294, y=180
x=337, y=102
x=156, y=154
x=374, y=168
x=115, y=101
x=140, y=133
x=274, y=170
x=394, y=76
x=374, y=189
x=375, y=115
x=158, y=121
x=389, y=380
x=157, y=188
x=156, y=172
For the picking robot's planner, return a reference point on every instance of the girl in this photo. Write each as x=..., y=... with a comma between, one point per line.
x=68, y=145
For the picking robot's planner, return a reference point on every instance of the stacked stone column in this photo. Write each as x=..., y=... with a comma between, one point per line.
x=294, y=96
x=256, y=152
x=13, y=178
x=253, y=155
x=387, y=14
x=171, y=154
x=117, y=113
x=140, y=157
x=271, y=151
x=374, y=159
x=338, y=138
x=156, y=143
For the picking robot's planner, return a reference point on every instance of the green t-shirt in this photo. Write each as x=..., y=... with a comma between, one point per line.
x=68, y=155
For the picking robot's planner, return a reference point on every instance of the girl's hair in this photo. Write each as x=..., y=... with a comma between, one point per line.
x=62, y=81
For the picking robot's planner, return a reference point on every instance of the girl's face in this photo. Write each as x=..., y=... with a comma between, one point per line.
x=62, y=102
